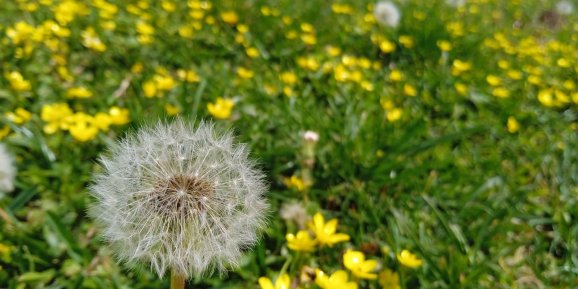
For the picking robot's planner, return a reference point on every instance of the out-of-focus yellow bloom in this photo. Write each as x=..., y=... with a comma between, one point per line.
x=188, y=75
x=444, y=45
x=333, y=51
x=5, y=253
x=78, y=92
x=356, y=263
x=461, y=88
x=82, y=127
x=91, y=40
x=501, y=92
x=396, y=75
x=409, y=90
x=309, y=38
x=325, y=232
x=55, y=116
x=118, y=115
x=67, y=10
x=394, y=114
x=164, y=82
x=252, y=52
x=406, y=258
x=341, y=9
x=493, y=80
x=144, y=28
x=301, y=242
x=20, y=32
x=172, y=109
x=245, y=73
x=102, y=121
x=282, y=282
x=221, y=108
x=230, y=17
x=459, y=67
x=514, y=74
x=337, y=280
x=406, y=41
x=387, y=46
x=4, y=131
x=289, y=78
x=389, y=279
x=19, y=116
x=149, y=88
x=513, y=125
x=295, y=182
x=308, y=63
x=17, y=81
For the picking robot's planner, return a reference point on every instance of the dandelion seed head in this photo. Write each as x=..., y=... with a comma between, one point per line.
x=386, y=13
x=179, y=198
x=7, y=170
x=565, y=7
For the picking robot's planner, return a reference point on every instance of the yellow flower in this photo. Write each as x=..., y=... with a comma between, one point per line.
x=188, y=75
x=230, y=17
x=55, y=115
x=394, y=114
x=221, y=108
x=91, y=40
x=409, y=90
x=102, y=121
x=4, y=131
x=513, y=125
x=501, y=92
x=78, y=92
x=459, y=67
x=145, y=28
x=19, y=116
x=172, y=109
x=444, y=45
x=301, y=242
x=5, y=253
x=282, y=282
x=164, y=82
x=387, y=46
x=82, y=127
x=295, y=182
x=245, y=73
x=406, y=258
x=356, y=263
x=337, y=280
x=325, y=232
x=252, y=52
x=309, y=38
x=17, y=81
x=389, y=279
x=406, y=41
x=493, y=80
x=119, y=116
x=149, y=88
x=396, y=75
x=461, y=88
x=288, y=78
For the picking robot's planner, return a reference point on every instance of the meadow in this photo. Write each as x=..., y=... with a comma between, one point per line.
x=441, y=136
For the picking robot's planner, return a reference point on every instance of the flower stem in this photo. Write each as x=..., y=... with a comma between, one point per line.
x=177, y=281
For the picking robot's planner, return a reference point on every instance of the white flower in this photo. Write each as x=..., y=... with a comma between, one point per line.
x=565, y=7
x=386, y=13
x=311, y=136
x=295, y=212
x=181, y=199
x=7, y=170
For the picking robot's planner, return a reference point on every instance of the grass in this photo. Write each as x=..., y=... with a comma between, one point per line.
x=474, y=170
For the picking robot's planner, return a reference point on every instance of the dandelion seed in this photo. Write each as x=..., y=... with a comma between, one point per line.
x=386, y=13
x=178, y=198
x=7, y=170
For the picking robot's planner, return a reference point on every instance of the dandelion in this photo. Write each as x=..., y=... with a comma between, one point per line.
x=565, y=7
x=386, y=13
x=178, y=198
x=7, y=170
x=295, y=212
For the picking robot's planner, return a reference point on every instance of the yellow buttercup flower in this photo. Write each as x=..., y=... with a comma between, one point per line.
x=19, y=116
x=82, y=127
x=78, y=92
x=221, y=108
x=301, y=242
x=389, y=279
x=17, y=81
x=337, y=280
x=245, y=73
x=325, y=232
x=282, y=282
x=119, y=116
x=356, y=263
x=406, y=258
x=295, y=182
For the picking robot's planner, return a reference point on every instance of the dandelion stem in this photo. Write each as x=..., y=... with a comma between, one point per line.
x=177, y=281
